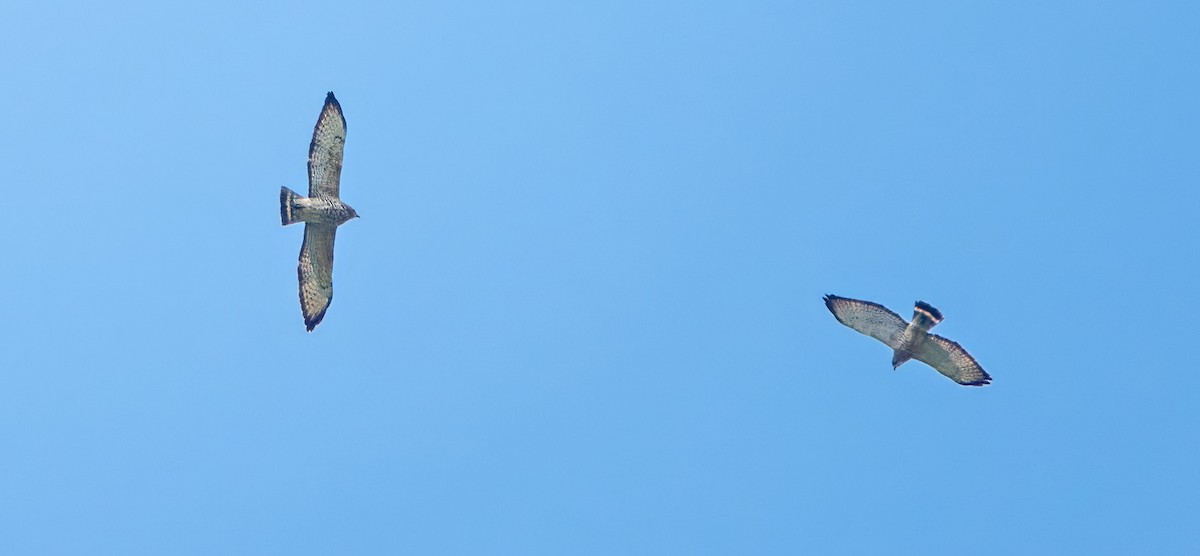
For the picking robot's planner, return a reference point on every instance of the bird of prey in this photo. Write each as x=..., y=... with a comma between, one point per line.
x=321, y=212
x=910, y=340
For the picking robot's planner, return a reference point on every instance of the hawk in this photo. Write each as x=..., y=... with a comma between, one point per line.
x=910, y=340
x=322, y=212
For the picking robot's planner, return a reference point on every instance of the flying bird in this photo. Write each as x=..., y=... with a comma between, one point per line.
x=910, y=340
x=321, y=212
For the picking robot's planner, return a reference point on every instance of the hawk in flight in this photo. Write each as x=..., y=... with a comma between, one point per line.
x=910, y=340
x=321, y=212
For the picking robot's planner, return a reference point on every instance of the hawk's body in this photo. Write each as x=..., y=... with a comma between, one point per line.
x=322, y=212
x=910, y=340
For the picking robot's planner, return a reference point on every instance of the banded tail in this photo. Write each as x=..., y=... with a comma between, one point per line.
x=925, y=316
x=287, y=202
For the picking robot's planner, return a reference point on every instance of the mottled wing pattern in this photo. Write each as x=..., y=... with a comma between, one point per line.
x=316, y=272
x=952, y=360
x=871, y=319
x=325, y=151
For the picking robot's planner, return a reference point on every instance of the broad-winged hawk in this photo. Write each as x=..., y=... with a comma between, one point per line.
x=910, y=340
x=322, y=212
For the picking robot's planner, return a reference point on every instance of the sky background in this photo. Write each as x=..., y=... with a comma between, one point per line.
x=581, y=312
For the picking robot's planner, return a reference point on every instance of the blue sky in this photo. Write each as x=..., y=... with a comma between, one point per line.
x=581, y=312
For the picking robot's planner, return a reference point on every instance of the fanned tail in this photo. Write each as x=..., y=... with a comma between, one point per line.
x=925, y=316
x=287, y=201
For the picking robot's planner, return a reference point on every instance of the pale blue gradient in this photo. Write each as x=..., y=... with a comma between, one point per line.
x=581, y=312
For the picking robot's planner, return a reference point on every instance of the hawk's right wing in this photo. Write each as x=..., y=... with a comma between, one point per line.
x=325, y=151
x=952, y=360
x=316, y=272
x=871, y=319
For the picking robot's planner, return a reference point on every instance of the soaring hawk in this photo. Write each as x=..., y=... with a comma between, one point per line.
x=322, y=212
x=910, y=340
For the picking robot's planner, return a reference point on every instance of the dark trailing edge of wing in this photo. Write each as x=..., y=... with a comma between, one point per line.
x=986, y=380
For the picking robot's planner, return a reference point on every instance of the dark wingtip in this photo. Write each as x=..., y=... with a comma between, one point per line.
x=927, y=308
x=313, y=322
x=332, y=101
x=829, y=299
x=310, y=322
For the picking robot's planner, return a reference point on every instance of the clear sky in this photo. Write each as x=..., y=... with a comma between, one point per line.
x=581, y=313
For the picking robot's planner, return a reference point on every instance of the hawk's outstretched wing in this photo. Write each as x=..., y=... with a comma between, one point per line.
x=316, y=272
x=871, y=319
x=325, y=151
x=952, y=360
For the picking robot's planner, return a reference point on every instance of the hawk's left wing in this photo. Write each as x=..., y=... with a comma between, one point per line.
x=316, y=272
x=871, y=319
x=952, y=360
x=325, y=151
